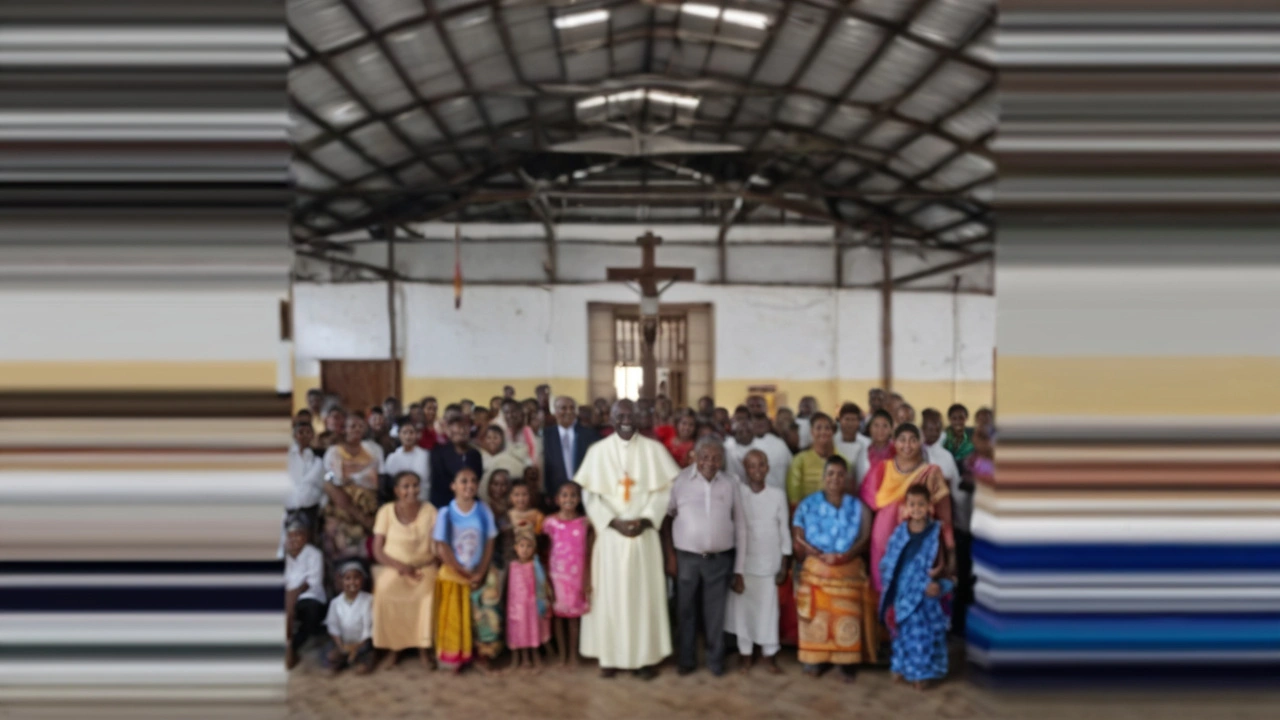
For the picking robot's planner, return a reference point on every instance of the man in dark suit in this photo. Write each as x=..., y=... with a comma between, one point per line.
x=564, y=445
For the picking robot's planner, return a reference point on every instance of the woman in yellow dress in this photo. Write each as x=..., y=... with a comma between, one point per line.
x=405, y=577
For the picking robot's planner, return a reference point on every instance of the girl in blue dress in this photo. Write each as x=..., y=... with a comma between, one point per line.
x=917, y=569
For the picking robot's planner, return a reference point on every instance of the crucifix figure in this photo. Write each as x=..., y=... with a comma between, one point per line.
x=647, y=276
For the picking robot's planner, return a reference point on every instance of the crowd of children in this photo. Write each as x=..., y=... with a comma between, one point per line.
x=467, y=558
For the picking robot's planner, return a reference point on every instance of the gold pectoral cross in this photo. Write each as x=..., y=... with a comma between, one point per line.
x=626, y=482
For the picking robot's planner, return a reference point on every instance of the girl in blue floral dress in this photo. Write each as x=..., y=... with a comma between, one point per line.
x=916, y=569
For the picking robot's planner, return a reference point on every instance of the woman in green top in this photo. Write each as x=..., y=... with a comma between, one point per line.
x=804, y=478
x=958, y=439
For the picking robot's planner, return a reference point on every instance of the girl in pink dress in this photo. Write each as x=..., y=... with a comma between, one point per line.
x=528, y=602
x=570, y=536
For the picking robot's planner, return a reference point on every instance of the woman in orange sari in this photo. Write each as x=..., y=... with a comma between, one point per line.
x=885, y=488
x=834, y=603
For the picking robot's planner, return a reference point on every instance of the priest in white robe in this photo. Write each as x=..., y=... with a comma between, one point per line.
x=626, y=485
x=753, y=614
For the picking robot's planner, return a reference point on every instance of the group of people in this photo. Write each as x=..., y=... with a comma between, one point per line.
x=492, y=528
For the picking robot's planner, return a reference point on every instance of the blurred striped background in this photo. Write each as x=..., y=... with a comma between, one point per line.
x=1132, y=534
x=143, y=257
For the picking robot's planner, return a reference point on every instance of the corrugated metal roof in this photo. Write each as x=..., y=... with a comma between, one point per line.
x=861, y=112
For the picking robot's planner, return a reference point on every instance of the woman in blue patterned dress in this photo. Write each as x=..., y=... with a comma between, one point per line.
x=917, y=572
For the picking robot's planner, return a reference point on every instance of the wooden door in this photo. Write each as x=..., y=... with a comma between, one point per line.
x=360, y=383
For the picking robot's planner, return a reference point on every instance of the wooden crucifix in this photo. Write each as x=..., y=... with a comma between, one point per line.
x=647, y=276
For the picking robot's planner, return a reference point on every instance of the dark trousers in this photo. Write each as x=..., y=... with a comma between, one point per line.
x=711, y=574
x=364, y=656
x=964, y=581
x=308, y=621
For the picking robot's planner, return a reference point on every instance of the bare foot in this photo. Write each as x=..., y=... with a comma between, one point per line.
x=773, y=666
x=389, y=660
x=333, y=672
x=918, y=685
x=427, y=659
x=897, y=679
x=745, y=664
x=812, y=671
x=290, y=658
x=848, y=678
x=362, y=669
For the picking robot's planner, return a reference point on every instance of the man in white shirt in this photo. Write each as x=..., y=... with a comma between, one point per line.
x=705, y=538
x=306, y=482
x=805, y=410
x=412, y=458
x=737, y=447
x=849, y=443
x=775, y=448
x=304, y=597
x=961, y=498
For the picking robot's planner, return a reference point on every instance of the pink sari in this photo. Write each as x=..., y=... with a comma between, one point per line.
x=887, y=506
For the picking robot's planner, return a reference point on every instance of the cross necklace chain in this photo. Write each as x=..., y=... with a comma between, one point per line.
x=626, y=482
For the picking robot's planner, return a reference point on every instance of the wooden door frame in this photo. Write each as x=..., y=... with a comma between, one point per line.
x=709, y=307
x=397, y=366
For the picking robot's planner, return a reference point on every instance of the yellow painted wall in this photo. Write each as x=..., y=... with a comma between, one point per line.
x=830, y=394
x=1138, y=386
x=138, y=375
x=729, y=393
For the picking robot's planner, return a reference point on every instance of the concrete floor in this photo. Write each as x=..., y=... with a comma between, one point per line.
x=569, y=694
x=563, y=694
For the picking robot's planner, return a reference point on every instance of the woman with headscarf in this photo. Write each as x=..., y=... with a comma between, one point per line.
x=885, y=489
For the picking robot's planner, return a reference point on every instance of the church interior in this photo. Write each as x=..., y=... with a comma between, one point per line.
x=1061, y=212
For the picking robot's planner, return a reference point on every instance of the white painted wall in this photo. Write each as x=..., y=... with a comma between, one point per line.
x=535, y=332
x=113, y=324
x=753, y=255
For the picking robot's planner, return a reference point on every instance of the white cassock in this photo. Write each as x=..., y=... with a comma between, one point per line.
x=627, y=627
x=753, y=615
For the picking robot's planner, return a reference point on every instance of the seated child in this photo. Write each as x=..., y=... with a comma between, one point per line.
x=465, y=532
x=350, y=623
x=304, y=596
x=911, y=605
x=528, y=602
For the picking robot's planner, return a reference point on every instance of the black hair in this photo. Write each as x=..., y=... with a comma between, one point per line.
x=930, y=412
x=959, y=407
x=402, y=473
x=849, y=409
x=297, y=424
x=921, y=491
x=376, y=410
x=814, y=418
x=391, y=399
x=907, y=428
x=451, y=407
x=881, y=413
x=835, y=460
